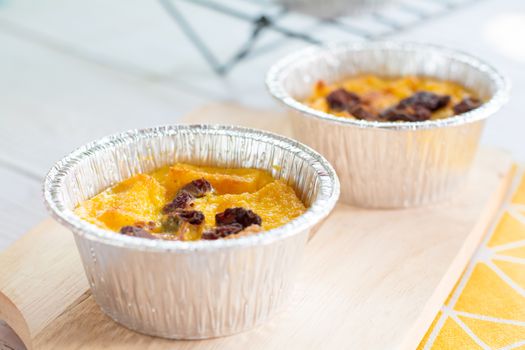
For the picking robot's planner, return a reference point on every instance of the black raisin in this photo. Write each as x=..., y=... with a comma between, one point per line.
x=184, y=198
x=466, y=105
x=197, y=188
x=361, y=113
x=341, y=99
x=244, y=217
x=222, y=231
x=193, y=217
x=181, y=201
x=136, y=232
x=408, y=113
x=425, y=99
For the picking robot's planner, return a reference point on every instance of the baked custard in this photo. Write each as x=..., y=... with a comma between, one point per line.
x=408, y=99
x=187, y=202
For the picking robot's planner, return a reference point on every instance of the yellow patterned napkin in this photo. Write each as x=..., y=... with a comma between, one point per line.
x=486, y=310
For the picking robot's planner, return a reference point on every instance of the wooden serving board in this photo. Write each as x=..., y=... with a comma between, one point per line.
x=370, y=279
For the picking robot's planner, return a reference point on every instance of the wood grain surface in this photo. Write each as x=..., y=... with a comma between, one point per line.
x=369, y=280
x=43, y=277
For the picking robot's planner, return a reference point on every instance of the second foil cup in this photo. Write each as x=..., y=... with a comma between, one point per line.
x=389, y=164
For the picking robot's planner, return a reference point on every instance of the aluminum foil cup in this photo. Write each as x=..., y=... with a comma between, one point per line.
x=389, y=164
x=190, y=290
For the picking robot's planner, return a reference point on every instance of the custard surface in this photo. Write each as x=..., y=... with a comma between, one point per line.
x=378, y=94
x=140, y=200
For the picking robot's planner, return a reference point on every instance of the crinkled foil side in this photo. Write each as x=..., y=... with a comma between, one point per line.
x=192, y=296
x=389, y=164
x=190, y=290
x=391, y=169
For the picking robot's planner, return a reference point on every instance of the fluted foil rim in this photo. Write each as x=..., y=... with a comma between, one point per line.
x=322, y=205
x=277, y=73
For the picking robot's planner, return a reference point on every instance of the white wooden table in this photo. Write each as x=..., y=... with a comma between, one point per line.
x=72, y=71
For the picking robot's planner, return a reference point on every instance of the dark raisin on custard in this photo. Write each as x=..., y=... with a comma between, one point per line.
x=222, y=231
x=428, y=100
x=135, y=231
x=342, y=99
x=197, y=188
x=416, y=108
x=181, y=201
x=192, y=217
x=361, y=113
x=185, y=196
x=413, y=113
x=466, y=105
x=244, y=217
x=172, y=221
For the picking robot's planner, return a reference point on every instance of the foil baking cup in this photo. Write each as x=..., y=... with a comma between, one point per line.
x=200, y=289
x=389, y=164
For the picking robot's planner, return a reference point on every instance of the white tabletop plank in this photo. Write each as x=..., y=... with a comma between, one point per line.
x=21, y=205
x=52, y=103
